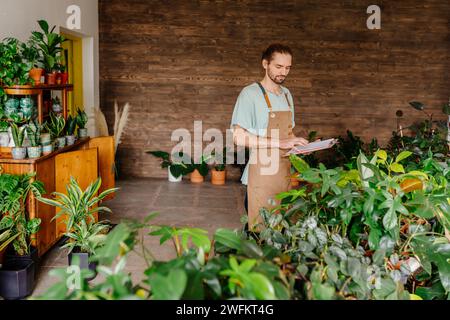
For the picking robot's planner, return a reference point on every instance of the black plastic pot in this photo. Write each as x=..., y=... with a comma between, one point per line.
x=84, y=262
x=17, y=279
x=10, y=254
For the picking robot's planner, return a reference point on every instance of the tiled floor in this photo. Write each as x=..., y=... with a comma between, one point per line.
x=203, y=205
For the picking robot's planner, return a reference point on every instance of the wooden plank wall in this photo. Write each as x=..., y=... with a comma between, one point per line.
x=180, y=61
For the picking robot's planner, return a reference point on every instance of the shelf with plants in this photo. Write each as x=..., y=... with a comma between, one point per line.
x=40, y=140
x=85, y=160
x=29, y=90
x=22, y=93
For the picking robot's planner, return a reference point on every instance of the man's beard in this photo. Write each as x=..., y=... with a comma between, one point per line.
x=277, y=79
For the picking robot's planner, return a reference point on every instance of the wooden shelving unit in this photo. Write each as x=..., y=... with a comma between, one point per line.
x=86, y=160
x=39, y=91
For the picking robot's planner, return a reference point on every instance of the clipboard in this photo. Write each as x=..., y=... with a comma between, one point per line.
x=313, y=146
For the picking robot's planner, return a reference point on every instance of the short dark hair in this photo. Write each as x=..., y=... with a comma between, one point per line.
x=273, y=48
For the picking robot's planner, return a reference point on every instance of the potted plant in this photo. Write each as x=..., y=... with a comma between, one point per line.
x=46, y=140
x=27, y=107
x=56, y=105
x=4, y=134
x=62, y=76
x=446, y=111
x=82, y=120
x=198, y=170
x=56, y=128
x=218, y=172
x=79, y=208
x=71, y=124
x=18, y=134
x=14, y=69
x=18, y=272
x=175, y=169
x=33, y=133
x=11, y=107
x=32, y=55
x=84, y=239
x=50, y=45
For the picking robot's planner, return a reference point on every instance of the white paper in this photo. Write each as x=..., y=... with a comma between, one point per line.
x=313, y=146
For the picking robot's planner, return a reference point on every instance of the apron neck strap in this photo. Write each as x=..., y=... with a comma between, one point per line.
x=267, y=97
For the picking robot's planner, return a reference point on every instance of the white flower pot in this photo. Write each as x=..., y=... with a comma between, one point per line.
x=172, y=178
x=82, y=133
x=19, y=153
x=61, y=142
x=70, y=140
x=34, y=152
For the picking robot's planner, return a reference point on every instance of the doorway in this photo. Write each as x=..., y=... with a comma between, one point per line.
x=72, y=55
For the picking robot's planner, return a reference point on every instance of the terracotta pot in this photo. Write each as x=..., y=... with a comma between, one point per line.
x=294, y=182
x=36, y=74
x=62, y=78
x=196, y=177
x=50, y=78
x=218, y=177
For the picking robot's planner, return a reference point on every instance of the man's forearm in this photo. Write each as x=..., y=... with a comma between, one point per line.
x=243, y=138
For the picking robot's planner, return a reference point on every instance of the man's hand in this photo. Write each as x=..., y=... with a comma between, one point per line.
x=291, y=142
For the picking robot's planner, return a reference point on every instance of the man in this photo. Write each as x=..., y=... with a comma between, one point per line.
x=263, y=119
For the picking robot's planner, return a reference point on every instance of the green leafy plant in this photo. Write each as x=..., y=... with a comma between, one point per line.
x=34, y=133
x=378, y=230
x=201, y=166
x=446, y=109
x=382, y=206
x=56, y=125
x=427, y=135
x=177, y=167
x=17, y=119
x=4, y=126
x=219, y=159
x=195, y=273
x=71, y=124
x=15, y=227
x=60, y=67
x=81, y=118
x=18, y=135
x=49, y=43
x=78, y=205
x=31, y=54
x=14, y=69
x=87, y=237
x=348, y=148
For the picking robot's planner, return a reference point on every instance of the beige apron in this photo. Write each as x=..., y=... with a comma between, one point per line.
x=263, y=187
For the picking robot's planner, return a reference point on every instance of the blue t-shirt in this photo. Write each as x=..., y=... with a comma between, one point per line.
x=252, y=113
